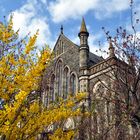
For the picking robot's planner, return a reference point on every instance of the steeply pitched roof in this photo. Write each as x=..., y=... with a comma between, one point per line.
x=93, y=58
x=62, y=36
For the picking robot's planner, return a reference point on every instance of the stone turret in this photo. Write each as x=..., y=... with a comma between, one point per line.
x=84, y=48
x=83, y=58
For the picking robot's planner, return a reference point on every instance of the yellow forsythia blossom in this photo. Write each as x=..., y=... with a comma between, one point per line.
x=20, y=75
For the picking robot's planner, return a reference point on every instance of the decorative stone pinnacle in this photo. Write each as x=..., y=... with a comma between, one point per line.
x=111, y=48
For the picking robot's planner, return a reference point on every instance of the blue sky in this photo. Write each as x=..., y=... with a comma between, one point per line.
x=49, y=15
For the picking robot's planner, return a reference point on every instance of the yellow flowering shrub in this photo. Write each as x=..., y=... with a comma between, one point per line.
x=21, y=70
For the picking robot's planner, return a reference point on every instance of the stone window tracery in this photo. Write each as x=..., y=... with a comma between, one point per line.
x=65, y=82
x=59, y=79
x=101, y=107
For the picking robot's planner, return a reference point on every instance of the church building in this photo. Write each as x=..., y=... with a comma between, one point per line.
x=75, y=69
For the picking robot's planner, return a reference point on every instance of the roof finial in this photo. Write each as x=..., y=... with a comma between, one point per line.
x=111, y=48
x=83, y=26
x=61, y=29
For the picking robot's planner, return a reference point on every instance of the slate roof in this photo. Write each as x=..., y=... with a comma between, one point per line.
x=94, y=59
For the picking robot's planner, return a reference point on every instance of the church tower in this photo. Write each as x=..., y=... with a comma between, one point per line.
x=83, y=57
x=84, y=48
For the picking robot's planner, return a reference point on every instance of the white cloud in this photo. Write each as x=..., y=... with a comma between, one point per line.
x=109, y=8
x=28, y=19
x=100, y=50
x=61, y=10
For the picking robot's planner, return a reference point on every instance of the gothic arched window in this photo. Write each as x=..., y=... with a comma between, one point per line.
x=52, y=88
x=59, y=79
x=102, y=107
x=73, y=84
x=65, y=82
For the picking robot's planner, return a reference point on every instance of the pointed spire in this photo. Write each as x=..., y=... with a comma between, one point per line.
x=111, y=48
x=61, y=29
x=83, y=26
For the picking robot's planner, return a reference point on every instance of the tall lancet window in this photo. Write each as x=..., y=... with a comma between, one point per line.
x=52, y=88
x=59, y=79
x=73, y=84
x=103, y=108
x=65, y=82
